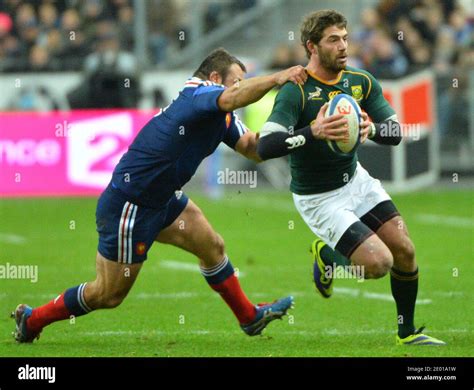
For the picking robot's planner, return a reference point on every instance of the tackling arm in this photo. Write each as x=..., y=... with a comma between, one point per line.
x=247, y=146
x=250, y=90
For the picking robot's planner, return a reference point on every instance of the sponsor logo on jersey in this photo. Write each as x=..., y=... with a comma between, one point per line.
x=357, y=92
x=333, y=94
x=316, y=95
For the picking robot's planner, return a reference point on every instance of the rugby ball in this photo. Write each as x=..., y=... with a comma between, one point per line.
x=347, y=106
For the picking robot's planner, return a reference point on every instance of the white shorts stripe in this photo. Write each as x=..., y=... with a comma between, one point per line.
x=123, y=232
x=122, y=218
x=129, y=234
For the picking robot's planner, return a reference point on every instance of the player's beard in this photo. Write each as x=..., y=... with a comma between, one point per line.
x=329, y=63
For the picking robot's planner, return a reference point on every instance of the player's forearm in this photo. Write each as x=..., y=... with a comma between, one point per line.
x=247, y=146
x=280, y=143
x=246, y=92
x=387, y=132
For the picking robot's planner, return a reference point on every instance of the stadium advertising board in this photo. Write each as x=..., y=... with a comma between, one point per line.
x=57, y=154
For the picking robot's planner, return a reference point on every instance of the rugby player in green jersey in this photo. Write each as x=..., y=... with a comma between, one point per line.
x=352, y=216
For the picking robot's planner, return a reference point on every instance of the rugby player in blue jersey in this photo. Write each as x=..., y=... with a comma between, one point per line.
x=144, y=203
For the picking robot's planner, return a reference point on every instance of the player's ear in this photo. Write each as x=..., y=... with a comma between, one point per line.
x=313, y=49
x=215, y=77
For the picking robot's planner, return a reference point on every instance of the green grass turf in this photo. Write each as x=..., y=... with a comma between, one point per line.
x=275, y=260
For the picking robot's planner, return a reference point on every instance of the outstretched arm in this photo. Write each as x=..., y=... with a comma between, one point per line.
x=250, y=90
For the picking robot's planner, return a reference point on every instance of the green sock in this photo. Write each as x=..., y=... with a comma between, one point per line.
x=331, y=256
x=404, y=290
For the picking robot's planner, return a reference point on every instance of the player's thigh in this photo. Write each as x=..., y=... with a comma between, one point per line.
x=192, y=232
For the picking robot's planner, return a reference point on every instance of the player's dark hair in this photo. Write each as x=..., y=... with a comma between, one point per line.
x=314, y=24
x=219, y=61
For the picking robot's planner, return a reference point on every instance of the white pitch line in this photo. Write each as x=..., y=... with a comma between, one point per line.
x=357, y=293
x=446, y=220
x=12, y=239
x=213, y=332
x=148, y=333
x=352, y=292
x=339, y=291
x=179, y=265
x=345, y=332
x=188, y=267
x=449, y=294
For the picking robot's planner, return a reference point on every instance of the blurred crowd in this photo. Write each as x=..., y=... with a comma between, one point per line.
x=402, y=36
x=59, y=35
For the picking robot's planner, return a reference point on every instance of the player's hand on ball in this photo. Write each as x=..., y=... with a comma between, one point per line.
x=365, y=127
x=333, y=128
x=296, y=74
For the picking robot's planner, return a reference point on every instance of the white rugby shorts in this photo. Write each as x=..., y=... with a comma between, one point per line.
x=329, y=214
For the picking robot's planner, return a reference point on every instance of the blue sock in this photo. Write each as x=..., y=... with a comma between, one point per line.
x=74, y=300
x=218, y=273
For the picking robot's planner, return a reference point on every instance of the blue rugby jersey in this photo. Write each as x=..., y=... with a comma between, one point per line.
x=169, y=148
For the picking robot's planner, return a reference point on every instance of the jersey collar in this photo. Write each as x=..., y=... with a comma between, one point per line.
x=195, y=82
x=338, y=78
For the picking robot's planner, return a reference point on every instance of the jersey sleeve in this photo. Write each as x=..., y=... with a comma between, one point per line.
x=288, y=106
x=375, y=103
x=236, y=130
x=205, y=99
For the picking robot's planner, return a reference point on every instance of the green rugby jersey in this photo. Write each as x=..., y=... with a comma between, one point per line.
x=315, y=168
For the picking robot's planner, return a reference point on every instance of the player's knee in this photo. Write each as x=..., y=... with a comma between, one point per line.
x=214, y=251
x=112, y=299
x=380, y=266
x=405, y=252
x=219, y=246
x=109, y=298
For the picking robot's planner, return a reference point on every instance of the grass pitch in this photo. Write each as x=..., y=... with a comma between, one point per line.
x=172, y=312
